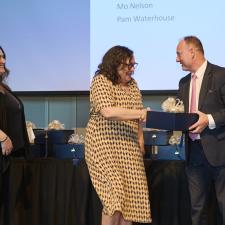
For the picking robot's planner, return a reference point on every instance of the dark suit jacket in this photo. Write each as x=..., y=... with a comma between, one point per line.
x=211, y=101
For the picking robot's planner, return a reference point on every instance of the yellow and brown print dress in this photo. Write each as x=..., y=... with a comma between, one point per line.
x=113, y=155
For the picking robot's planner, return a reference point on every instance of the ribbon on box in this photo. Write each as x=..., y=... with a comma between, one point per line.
x=76, y=139
x=56, y=125
x=30, y=126
x=174, y=106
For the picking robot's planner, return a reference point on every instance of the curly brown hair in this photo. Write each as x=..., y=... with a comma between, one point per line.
x=112, y=60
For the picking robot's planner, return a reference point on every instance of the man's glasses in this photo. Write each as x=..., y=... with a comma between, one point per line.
x=131, y=65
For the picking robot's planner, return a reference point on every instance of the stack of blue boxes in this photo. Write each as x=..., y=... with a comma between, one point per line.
x=54, y=143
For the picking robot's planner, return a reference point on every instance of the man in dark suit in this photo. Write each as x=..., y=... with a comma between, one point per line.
x=203, y=87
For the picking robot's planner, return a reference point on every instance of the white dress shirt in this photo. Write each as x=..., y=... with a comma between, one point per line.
x=200, y=73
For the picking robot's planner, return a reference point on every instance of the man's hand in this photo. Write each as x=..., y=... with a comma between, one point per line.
x=201, y=124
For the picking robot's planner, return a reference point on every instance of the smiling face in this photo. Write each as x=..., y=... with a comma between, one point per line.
x=185, y=56
x=2, y=62
x=126, y=70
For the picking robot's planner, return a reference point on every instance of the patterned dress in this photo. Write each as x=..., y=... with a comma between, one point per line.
x=113, y=155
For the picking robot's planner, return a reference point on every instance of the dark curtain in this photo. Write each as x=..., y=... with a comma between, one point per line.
x=56, y=192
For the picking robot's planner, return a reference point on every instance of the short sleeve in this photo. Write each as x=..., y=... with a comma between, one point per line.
x=138, y=96
x=102, y=93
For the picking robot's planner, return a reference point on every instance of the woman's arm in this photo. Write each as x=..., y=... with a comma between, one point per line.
x=141, y=138
x=6, y=143
x=115, y=113
x=3, y=136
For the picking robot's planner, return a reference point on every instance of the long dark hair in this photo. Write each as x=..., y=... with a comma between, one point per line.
x=4, y=75
x=111, y=60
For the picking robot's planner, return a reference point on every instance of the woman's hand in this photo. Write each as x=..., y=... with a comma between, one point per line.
x=143, y=115
x=142, y=145
x=7, y=146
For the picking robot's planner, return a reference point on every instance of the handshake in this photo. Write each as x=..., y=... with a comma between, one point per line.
x=172, y=118
x=143, y=116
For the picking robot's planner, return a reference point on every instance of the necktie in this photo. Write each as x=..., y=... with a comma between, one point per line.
x=193, y=105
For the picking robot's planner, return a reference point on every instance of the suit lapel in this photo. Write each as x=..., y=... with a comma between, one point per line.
x=205, y=85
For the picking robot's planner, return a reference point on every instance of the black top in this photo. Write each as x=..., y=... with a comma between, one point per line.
x=12, y=120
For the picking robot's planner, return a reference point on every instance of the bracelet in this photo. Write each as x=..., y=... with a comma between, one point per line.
x=4, y=139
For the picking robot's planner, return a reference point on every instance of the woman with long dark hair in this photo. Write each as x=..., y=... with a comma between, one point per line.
x=13, y=133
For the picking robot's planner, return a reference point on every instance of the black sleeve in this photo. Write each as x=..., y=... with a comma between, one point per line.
x=3, y=125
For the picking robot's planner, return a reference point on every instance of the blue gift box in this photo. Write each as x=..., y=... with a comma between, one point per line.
x=157, y=137
x=169, y=152
x=52, y=136
x=170, y=121
x=46, y=139
x=64, y=151
x=37, y=151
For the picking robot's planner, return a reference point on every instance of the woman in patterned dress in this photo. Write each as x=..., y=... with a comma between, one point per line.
x=114, y=144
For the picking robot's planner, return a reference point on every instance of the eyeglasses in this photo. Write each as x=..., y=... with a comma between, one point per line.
x=131, y=65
